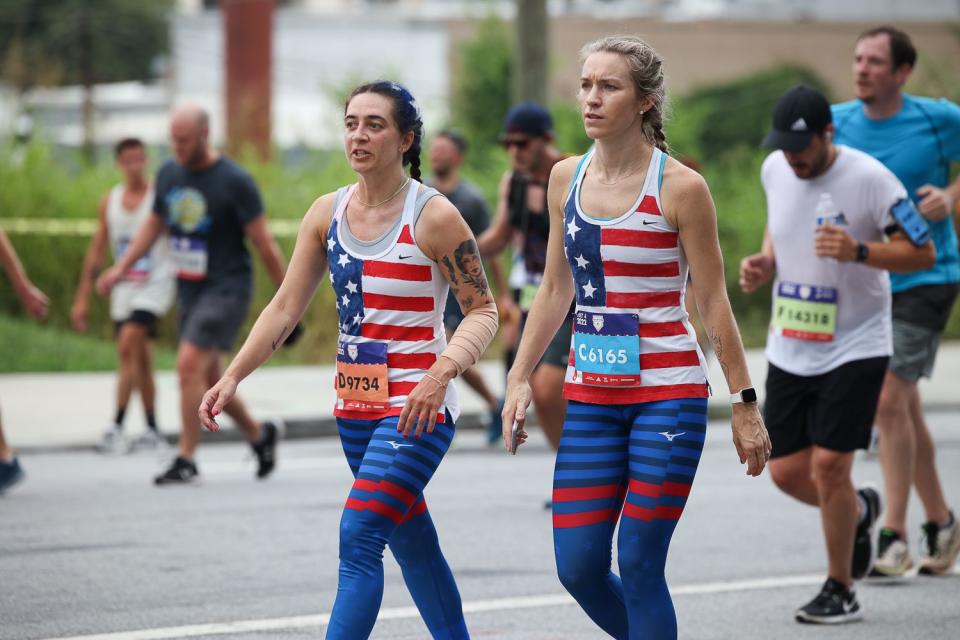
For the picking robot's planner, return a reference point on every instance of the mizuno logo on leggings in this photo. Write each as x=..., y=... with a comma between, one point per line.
x=397, y=445
x=670, y=436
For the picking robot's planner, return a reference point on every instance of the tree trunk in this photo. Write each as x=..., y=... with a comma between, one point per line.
x=87, y=80
x=532, y=45
x=248, y=36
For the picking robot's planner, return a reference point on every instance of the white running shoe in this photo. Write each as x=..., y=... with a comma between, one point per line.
x=114, y=442
x=893, y=556
x=151, y=440
x=941, y=545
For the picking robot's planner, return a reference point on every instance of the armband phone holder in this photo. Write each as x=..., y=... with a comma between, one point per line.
x=911, y=222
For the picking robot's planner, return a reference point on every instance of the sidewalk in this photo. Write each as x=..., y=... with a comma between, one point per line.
x=49, y=410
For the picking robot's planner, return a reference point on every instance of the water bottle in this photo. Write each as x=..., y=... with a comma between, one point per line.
x=826, y=212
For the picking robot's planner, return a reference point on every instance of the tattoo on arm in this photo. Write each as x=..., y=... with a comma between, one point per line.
x=279, y=341
x=449, y=265
x=718, y=349
x=467, y=257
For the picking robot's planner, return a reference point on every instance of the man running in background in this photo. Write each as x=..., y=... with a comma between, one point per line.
x=829, y=210
x=136, y=303
x=446, y=155
x=522, y=214
x=916, y=138
x=35, y=302
x=210, y=205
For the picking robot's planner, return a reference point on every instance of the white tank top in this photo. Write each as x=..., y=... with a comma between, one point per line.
x=122, y=225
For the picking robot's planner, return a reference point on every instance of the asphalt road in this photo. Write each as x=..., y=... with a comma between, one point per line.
x=89, y=548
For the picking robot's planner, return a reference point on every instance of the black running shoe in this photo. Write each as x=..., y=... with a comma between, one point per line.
x=835, y=604
x=181, y=471
x=266, y=450
x=863, y=539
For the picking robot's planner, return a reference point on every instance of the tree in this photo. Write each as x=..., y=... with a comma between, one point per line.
x=63, y=42
x=532, y=44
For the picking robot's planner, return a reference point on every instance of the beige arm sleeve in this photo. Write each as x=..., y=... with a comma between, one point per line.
x=472, y=337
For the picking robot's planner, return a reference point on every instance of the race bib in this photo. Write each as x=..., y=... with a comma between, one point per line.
x=362, y=376
x=805, y=312
x=189, y=255
x=140, y=270
x=607, y=349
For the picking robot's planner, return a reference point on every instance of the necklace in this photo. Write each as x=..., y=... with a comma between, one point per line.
x=391, y=197
x=623, y=177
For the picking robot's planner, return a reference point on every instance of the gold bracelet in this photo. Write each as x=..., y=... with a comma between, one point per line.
x=442, y=385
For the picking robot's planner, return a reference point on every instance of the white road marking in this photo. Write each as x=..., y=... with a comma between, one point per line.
x=395, y=613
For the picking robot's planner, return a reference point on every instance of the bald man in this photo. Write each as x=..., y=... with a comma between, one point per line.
x=210, y=206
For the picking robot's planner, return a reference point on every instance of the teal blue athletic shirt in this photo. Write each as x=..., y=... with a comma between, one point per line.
x=917, y=145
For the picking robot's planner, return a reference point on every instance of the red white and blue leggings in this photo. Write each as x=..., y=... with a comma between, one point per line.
x=386, y=507
x=633, y=463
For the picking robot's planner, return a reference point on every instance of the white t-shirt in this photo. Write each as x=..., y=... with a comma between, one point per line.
x=863, y=191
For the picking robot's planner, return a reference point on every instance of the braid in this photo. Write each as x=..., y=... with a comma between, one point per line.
x=413, y=157
x=653, y=129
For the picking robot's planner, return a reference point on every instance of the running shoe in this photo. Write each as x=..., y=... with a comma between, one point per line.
x=114, y=442
x=10, y=473
x=266, y=450
x=893, y=556
x=151, y=439
x=181, y=471
x=835, y=604
x=942, y=544
x=863, y=539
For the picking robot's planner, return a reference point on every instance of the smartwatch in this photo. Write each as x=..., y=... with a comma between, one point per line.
x=862, y=252
x=744, y=396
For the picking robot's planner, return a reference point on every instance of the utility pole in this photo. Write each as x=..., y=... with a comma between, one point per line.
x=248, y=37
x=532, y=50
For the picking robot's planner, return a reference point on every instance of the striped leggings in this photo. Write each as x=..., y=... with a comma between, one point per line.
x=386, y=506
x=637, y=461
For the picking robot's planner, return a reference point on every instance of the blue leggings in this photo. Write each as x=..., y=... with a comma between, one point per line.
x=637, y=460
x=386, y=505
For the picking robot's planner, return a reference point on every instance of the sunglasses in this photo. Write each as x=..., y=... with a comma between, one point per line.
x=519, y=143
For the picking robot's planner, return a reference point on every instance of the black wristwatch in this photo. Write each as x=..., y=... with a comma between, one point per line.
x=862, y=252
x=744, y=396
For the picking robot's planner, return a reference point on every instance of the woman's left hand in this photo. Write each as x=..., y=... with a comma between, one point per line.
x=750, y=437
x=422, y=405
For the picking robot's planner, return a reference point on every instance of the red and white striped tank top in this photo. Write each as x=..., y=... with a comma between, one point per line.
x=635, y=341
x=393, y=296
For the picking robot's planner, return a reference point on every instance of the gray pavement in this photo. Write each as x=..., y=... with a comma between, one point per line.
x=89, y=548
x=72, y=410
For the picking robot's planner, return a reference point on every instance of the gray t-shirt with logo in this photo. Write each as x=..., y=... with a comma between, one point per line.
x=206, y=212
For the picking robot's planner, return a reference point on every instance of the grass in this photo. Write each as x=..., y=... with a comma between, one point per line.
x=27, y=346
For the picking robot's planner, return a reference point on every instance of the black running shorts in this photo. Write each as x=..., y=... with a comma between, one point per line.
x=142, y=317
x=833, y=410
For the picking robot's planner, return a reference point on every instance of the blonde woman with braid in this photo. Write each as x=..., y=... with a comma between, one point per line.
x=627, y=225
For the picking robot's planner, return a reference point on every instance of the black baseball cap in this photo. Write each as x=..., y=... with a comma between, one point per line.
x=799, y=115
x=528, y=118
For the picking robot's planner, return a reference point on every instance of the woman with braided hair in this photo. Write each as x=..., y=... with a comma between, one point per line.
x=628, y=223
x=392, y=249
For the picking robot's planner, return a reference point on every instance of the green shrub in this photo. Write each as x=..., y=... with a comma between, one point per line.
x=724, y=116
